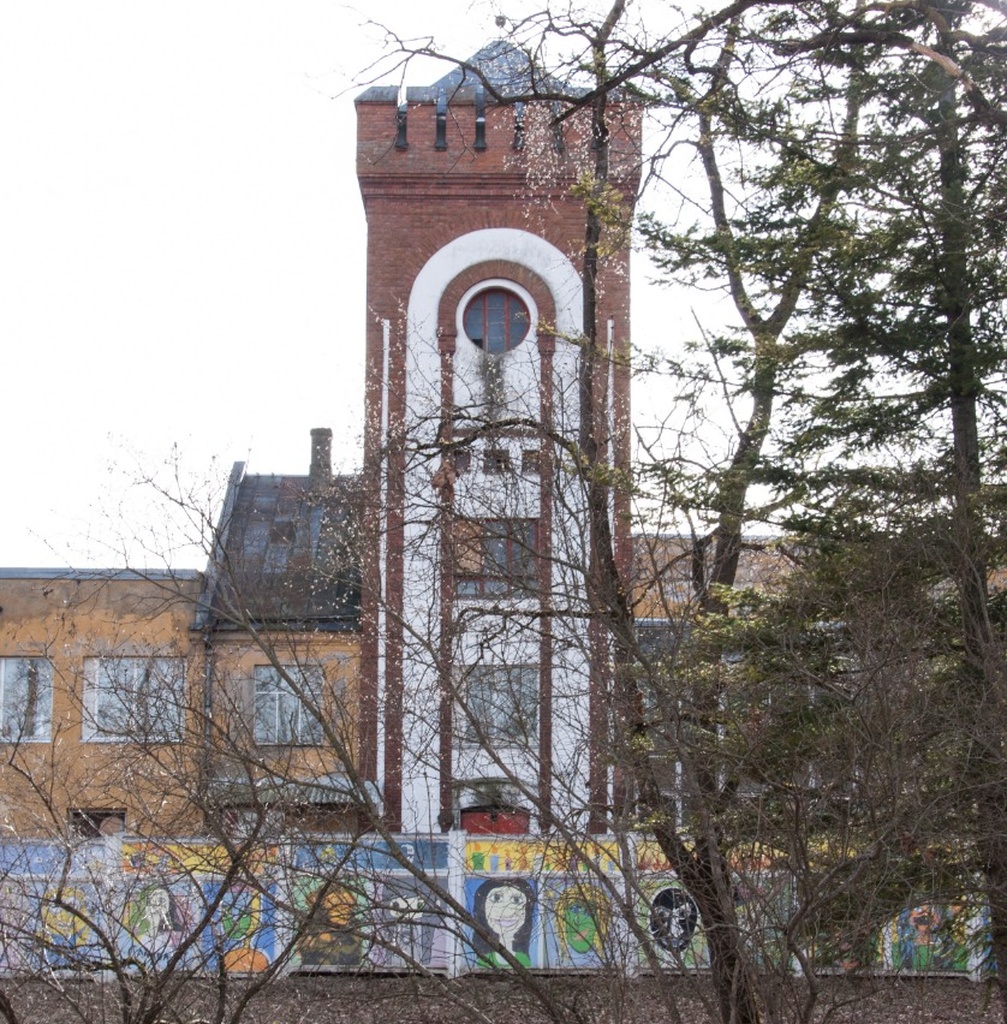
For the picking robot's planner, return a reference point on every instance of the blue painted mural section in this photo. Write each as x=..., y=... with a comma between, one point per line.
x=370, y=857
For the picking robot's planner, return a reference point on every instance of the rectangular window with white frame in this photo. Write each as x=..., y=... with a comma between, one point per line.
x=499, y=706
x=134, y=700
x=25, y=700
x=289, y=703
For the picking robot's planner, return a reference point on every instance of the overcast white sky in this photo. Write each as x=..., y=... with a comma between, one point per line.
x=181, y=248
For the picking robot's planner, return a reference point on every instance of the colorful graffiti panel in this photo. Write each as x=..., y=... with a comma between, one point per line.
x=371, y=857
x=159, y=919
x=534, y=856
x=38, y=859
x=506, y=911
x=243, y=927
x=408, y=921
x=580, y=928
x=68, y=923
x=931, y=937
x=764, y=903
x=17, y=906
x=333, y=921
x=669, y=917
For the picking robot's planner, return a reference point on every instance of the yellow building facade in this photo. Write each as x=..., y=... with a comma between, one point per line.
x=100, y=697
x=191, y=703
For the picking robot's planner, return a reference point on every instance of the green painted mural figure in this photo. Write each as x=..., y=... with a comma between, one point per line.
x=582, y=914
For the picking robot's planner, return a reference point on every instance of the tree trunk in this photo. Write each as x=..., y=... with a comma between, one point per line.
x=980, y=672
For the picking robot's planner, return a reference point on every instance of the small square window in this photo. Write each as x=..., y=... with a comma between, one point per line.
x=496, y=461
x=462, y=461
x=531, y=461
x=282, y=533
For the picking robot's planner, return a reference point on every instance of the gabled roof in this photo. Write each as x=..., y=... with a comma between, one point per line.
x=286, y=554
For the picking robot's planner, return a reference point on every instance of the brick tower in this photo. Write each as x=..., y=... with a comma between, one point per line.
x=482, y=683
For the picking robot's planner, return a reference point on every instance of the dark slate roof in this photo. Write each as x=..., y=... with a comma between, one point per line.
x=509, y=70
x=287, y=554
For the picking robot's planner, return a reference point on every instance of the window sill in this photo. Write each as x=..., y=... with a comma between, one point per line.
x=133, y=741
x=290, y=744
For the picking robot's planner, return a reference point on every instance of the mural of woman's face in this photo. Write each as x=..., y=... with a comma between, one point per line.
x=159, y=902
x=505, y=911
x=673, y=919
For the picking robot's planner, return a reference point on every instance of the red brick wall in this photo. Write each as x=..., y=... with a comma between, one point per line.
x=419, y=199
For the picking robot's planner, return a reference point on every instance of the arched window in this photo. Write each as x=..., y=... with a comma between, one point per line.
x=496, y=320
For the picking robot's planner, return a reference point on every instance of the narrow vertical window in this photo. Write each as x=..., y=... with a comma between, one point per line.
x=25, y=699
x=500, y=706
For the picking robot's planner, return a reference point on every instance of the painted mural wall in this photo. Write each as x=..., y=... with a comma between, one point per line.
x=452, y=903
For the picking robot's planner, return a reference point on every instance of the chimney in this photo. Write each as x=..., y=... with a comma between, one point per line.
x=320, y=474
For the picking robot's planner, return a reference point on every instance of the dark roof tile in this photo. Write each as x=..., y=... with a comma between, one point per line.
x=289, y=554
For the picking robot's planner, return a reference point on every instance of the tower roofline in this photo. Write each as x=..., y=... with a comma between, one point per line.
x=507, y=70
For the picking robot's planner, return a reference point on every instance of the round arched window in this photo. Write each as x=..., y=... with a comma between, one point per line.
x=496, y=320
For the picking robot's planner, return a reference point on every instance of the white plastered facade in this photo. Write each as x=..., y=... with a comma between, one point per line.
x=492, y=631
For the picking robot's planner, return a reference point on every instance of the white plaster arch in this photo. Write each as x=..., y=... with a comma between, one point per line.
x=513, y=244
x=423, y=370
x=420, y=609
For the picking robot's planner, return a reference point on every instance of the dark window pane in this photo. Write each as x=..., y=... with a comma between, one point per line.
x=501, y=705
x=495, y=556
x=496, y=320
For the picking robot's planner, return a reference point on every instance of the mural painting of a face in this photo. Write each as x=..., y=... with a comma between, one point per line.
x=156, y=917
x=582, y=913
x=410, y=933
x=60, y=926
x=157, y=913
x=505, y=907
x=673, y=919
x=332, y=934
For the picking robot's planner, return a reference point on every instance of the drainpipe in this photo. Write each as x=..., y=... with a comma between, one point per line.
x=207, y=715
